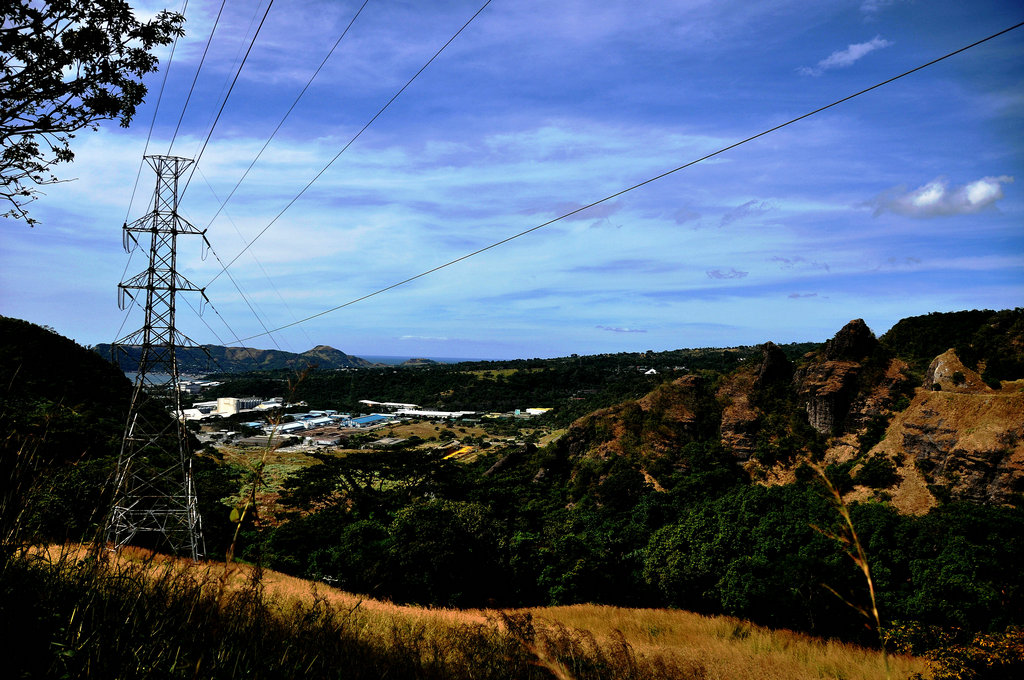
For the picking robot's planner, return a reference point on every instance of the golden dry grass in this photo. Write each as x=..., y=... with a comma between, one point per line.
x=725, y=648
x=731, y=649
x=426, y=429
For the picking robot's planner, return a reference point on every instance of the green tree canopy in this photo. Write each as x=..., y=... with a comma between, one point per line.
x=64, y=66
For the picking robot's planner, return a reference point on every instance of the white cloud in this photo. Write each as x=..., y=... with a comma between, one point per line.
x=847, y=57
x=938, y=199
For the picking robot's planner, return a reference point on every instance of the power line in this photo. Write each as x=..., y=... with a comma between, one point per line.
x=196, y=78
x=152, y=123
x=255, y=259
x=635, y=186
x=227, y=96
x=244, y=297
x=351, y=141
x=289, y=112
x=142, y=161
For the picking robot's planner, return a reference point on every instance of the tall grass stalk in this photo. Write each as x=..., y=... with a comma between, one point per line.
x=257, y=480
x=854, y=549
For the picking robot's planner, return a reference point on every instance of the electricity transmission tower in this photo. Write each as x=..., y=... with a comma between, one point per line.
x=154, y=494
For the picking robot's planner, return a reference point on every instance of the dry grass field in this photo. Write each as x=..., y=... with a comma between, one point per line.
x=712, y=647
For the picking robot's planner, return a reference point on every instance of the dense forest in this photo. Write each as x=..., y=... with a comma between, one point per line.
x=684, y=526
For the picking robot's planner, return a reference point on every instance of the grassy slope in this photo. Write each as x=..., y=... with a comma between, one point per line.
x=706, y=647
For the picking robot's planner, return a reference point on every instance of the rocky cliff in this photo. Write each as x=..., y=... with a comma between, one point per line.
x=854, y=406
x=958, y=438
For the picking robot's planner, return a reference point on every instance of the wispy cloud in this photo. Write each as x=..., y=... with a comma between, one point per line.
x=798, y=262
x=731, y=274
x=872, y=7
x=595, y=213
x=896, y=262
x=683, y=215
x=740, y=212
x=796, y=296
x=847, y=57
x=938, y=199
x=644, y=266
x=613, y=329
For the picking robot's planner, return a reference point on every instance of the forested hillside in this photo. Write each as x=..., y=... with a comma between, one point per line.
x=62, y=412
x=700, y=494
x=693, y=486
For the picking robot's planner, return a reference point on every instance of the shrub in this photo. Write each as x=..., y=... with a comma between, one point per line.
x=877, y=472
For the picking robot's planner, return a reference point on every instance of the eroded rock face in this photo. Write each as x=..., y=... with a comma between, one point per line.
x=949, y=373
x=829, y=385
x=970, y=443
x=622, y=430
x=877, y=398
x=740, y=417
x=828, y=388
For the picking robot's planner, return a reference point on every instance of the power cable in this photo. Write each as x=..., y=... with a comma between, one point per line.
x=152, y=123
x=248, y=303
x=196, y=78
x=288, y=113
x=637, y=185
x=351, y=141
x=226, y=97
x=142, y=161
x=266, y=275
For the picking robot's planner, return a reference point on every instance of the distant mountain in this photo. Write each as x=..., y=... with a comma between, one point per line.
x=243, y=359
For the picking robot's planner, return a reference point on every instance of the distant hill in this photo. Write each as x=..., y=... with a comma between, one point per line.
x=420, y=362
x=243, y=359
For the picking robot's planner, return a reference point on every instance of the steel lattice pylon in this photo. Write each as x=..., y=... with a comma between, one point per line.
x=154, y=494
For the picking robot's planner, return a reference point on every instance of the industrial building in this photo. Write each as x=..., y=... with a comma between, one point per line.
x=229, y=406
x=367, y=421
x=415, y=413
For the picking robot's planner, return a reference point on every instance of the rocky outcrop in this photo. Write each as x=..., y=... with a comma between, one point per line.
x=947, y=373
x=774, y=367
x=828, y=382
x=827, y=388
x=969, y=444
x=880, y=395
x=853, y=342
x=962, y=441
x=660, y=422
x=740, y=417
x=836, y=392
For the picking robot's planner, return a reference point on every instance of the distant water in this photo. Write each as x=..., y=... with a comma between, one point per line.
x=393, y=361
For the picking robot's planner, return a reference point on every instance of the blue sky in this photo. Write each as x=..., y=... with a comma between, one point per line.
x=907, y=200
